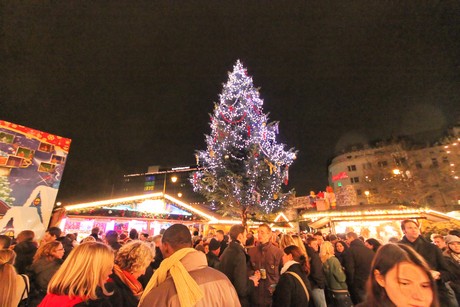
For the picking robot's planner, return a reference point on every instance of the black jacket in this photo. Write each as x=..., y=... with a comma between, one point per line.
x=213, y=260
x=316, y=277
x=358, y=259
x=122, y=294
x=289, y=292
x=233, y=264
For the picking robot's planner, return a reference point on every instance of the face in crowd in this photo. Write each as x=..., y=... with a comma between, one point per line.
x=264, y=235
x=407, y=285
x=411, y=231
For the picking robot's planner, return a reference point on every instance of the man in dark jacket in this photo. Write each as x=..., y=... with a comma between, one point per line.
x=433, y=255
x=316, y=276
x=358, y=259
x=233, y=264
x=212, y=255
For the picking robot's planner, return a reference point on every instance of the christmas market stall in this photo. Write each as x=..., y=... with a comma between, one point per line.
x=379, y=223
x=147, y=213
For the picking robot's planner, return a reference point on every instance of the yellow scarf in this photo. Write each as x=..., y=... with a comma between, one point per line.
x=187, y=289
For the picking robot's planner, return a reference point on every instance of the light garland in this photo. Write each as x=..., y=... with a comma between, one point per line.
x=244, y=166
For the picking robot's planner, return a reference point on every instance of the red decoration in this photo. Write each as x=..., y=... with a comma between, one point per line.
x=249, y=130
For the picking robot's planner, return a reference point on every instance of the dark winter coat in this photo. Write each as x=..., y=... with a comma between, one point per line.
x=269, y=257
x=316, y=277
x=122, y=294
x=289, y=292
x=213, y=260
x=358, y=260
x=25, y=252
x=43, y=270
x=453, y=267
x=233, y=265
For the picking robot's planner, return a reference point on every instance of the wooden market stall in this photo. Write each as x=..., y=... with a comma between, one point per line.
x=147, y=213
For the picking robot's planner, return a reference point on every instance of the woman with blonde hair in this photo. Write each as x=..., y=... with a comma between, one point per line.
x=47, y=261
x=131, y=261
x=14, y=287
x=285, y=241
x=80, y=281
x=335, y=276
x=299, y=243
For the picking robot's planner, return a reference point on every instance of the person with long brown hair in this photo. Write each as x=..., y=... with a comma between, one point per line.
x=81, y=279
x=293, y=288
x=47, y=261
x=400, y=277
x=25, y=250
x=13, y=286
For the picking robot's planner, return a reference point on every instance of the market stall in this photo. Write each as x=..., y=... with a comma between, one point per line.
x=147, y=213
x=379, y=223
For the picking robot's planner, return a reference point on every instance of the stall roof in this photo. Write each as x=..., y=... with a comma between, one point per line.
x=210, y=217
x=320, y=219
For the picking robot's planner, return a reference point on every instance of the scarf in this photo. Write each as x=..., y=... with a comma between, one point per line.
x=287, y=265
x=455, y=256
x=188, y=291
x=129, y=280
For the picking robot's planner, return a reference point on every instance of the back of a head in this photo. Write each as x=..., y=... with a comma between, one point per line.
x=352, y=235
x=5, y=242
x=134, y=256
x=133, y=234
x=55, y=231
x=177, y=236
x=25, y=235
x=95, y=231
x=326, y=251
x=83, y=271
x=298, y=256
x=235, y=231
x=111, y=236
x=8, y=277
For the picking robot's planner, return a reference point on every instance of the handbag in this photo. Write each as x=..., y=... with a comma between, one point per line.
x=24, y=302
x=301, y=282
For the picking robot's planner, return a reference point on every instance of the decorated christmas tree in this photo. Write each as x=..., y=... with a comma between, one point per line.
x=5, y=191
x=243, y=167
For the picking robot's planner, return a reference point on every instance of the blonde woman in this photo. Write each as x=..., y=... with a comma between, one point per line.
x=335, y=277
x=131, y=261
x=13, y=287
x=80, y=281
x=285, y=241
x=299, y=243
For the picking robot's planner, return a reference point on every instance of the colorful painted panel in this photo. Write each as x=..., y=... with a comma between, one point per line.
x=31, y=166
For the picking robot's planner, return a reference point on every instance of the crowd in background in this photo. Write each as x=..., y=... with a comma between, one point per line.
x=262, y=268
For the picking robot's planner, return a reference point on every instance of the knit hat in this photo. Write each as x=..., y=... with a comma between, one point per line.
x=451, y=239
x=213, y=244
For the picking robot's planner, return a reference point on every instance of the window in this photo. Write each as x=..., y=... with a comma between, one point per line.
x=382, y=163
x=358, y=192
x=351, y=168
x=367, y=165
x=354, y=179
x=434, y=162
x=418, y=165
x=445, y=160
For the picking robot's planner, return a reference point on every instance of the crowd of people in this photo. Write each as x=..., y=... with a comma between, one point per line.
x=184, y=268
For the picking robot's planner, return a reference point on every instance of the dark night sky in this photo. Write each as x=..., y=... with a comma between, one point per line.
x=132, y=82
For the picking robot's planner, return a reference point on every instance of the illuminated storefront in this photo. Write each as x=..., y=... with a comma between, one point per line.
x=376, y=223
x=147, y=213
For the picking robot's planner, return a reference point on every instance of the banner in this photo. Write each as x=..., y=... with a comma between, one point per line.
x=31, y=166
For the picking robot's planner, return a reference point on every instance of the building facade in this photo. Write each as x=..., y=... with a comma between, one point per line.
x=399, y=172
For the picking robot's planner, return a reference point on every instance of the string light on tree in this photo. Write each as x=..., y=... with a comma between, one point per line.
x=243, y=166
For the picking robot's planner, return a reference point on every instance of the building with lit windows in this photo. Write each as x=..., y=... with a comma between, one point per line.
x=400, y=172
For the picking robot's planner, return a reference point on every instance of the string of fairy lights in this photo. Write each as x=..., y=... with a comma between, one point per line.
x=243, y=163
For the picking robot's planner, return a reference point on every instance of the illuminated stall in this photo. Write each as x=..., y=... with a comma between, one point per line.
x=147, y=213
x=376, y=223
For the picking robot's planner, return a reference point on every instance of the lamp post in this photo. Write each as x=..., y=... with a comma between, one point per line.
x=173, y=180
x=367, y=193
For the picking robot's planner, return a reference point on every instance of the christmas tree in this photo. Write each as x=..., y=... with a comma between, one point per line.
x=243, y=167
x=5, y=191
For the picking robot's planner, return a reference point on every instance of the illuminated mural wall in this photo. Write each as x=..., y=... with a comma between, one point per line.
x=31, y=166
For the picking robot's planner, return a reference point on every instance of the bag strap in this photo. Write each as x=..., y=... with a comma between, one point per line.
x=301, y=282
x=26, y=288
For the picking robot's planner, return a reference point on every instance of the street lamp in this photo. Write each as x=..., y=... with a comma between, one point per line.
x=173, y=180
x=396, y=171
x=367, y=193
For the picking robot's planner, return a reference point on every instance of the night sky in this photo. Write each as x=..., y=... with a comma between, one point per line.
x=132, y=82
